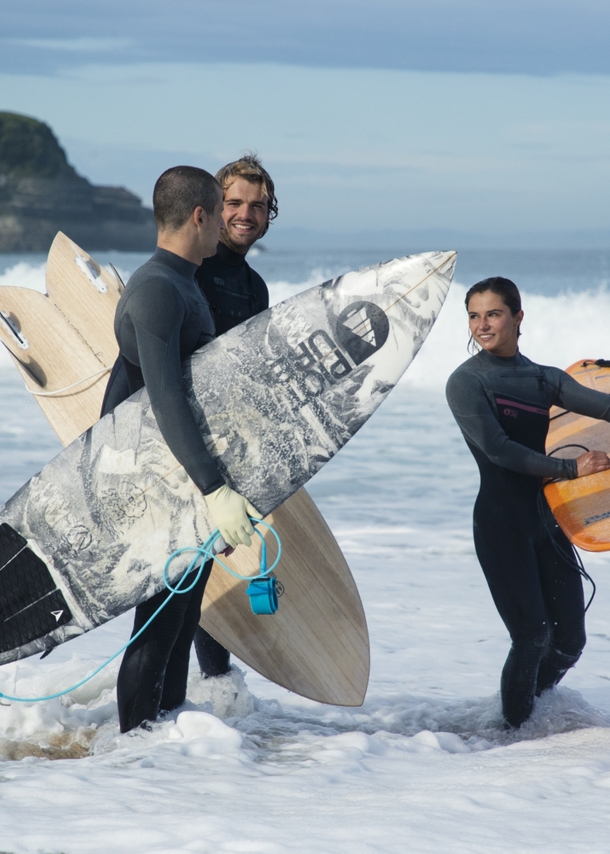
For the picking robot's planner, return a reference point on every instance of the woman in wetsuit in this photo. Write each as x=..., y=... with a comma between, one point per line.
x=501, y=401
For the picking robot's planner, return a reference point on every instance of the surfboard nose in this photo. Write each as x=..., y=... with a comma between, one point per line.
x=440, y=262
x=447, y=262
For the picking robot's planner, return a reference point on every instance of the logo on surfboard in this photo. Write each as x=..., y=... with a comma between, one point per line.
x=362, y=329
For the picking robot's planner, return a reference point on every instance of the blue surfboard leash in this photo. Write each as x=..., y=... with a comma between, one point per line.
x=262, y=591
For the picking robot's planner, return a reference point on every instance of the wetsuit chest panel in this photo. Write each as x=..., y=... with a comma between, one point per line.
x=233, y=290
x=523, y=422
x=232, y=299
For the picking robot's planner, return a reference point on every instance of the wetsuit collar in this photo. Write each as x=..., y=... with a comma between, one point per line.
x=175, y=262
x=500, y=361
x=228, y=257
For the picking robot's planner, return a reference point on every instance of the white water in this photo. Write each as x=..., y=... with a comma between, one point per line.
x=424, y=765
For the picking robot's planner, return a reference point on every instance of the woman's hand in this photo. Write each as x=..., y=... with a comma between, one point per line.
x=592, y=462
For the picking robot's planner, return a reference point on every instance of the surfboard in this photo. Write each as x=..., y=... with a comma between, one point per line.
x=51, y=356
x=301, y=377
x=318, y=643
x=582, y=506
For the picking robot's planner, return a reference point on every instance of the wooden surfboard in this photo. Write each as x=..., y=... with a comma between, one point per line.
x=317, y=643
x=51, y=356
x=582, y=506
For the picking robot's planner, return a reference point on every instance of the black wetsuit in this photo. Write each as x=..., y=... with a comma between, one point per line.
x=232, y=288
x=234, y=292
x=502, y=407
x=162, y=318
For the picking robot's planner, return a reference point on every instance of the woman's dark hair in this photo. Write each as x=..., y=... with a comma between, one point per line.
x=502, y=287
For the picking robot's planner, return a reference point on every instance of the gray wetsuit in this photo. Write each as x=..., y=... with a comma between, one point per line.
x=502, y=408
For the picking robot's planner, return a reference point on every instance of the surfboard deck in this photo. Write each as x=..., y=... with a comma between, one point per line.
x=86, y=294
x=302, y=378
x=317, y=644
x=582, y=506
x=50, y=356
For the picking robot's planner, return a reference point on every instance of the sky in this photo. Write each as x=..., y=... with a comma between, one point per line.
x=396, y=115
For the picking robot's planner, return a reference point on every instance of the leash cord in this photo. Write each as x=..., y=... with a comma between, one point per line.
x=202, y=555
x=59, y=391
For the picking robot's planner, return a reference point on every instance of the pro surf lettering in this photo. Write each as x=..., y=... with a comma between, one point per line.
x=309, y=368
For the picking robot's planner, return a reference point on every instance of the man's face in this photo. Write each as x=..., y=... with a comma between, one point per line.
x=245, y=213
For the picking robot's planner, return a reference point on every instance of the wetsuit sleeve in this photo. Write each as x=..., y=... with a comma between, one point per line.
x=477, y=420
x=157, y=313
x=576, y=397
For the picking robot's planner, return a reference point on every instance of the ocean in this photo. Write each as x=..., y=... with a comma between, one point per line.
x=424, y=765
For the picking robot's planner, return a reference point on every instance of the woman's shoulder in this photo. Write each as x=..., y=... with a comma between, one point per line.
x=466, y=376
x=470, y=367
x=550, y=372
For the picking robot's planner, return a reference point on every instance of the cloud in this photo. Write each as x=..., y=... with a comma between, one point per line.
x=348, y=149
x=78, y=45
x=522, y=36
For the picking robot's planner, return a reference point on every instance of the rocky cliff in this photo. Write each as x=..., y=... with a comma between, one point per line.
x=41, y=194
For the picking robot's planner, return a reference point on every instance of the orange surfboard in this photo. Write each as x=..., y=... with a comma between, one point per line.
x=582, y=506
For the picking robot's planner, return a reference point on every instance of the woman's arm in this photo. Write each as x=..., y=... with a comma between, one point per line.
x=477, y=420
x=576, y=397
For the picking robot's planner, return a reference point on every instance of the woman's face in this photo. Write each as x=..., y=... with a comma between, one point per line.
x=492, y=325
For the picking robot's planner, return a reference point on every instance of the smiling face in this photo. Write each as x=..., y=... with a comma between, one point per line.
x=245, y=213
x=492, y=324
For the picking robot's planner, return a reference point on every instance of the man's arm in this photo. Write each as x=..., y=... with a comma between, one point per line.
x=156, y=314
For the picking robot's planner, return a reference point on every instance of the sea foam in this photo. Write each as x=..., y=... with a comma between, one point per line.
x=557, y=330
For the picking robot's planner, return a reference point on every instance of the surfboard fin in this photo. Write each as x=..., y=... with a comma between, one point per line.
x=118, y=276
x=27, y=368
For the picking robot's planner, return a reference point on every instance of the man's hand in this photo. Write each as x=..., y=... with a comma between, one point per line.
x=230, y=512
x=592, y=462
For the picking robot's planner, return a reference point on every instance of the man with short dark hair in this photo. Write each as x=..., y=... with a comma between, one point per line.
x=162, y=318
x=235, y=292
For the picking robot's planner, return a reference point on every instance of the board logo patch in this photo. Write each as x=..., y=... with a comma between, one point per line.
x=362, y=329
x=79, y=538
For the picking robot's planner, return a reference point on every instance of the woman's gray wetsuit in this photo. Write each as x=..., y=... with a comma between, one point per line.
x=502, y=408
x=162, y=318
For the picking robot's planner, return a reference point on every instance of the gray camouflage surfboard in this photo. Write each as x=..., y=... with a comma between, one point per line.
x=275, y=398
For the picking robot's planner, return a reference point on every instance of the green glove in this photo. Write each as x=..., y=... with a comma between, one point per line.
x=230, y=512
